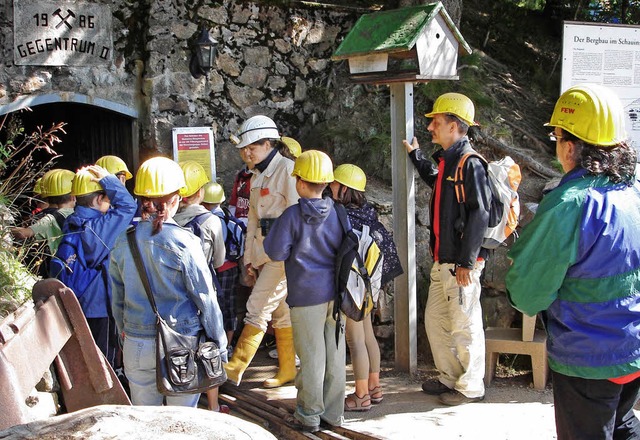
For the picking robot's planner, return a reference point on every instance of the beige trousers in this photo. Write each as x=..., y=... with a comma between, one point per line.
x=267, y=300
x=453, y=321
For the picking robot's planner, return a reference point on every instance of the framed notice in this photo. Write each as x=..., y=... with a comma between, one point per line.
x=606, y=54
x=195, y=143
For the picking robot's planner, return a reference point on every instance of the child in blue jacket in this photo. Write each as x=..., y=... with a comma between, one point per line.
x=307, y=237
x=104, y=209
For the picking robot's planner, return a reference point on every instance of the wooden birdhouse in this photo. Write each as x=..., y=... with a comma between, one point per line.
x=414, y=44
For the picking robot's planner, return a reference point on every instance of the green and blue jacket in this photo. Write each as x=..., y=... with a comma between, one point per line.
x=578, y=262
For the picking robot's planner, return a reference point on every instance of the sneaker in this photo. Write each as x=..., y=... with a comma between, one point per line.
x=434, y=387
x=453, y=398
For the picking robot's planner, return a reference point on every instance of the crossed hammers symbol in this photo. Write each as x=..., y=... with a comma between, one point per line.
x=64, y=19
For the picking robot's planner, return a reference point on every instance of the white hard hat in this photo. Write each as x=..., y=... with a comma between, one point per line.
x=255, y=128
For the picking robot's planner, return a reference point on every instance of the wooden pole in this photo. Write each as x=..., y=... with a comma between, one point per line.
x=405, y=315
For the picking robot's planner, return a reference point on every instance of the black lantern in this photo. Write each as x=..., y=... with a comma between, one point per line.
x=204, y=54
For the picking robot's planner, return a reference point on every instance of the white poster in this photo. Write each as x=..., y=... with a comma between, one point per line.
x=606, y=54
x=195, y=143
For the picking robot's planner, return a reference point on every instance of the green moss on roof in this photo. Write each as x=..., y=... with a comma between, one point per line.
x=394, y=30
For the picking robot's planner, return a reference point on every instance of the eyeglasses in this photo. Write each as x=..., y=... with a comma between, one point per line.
x=553, y=137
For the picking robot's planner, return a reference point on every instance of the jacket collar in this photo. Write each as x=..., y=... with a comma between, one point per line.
x=456, y=150
x=575, y=173
x=272, y=160
x=267, y=160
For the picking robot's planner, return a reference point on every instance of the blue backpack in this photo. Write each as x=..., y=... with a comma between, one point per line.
x=234, y=234
x=70, y=266
x=195, y=226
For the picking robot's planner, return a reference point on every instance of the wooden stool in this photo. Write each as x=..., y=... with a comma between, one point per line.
x=527, y=341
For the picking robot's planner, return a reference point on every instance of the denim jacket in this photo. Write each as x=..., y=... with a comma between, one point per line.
x=180, y=281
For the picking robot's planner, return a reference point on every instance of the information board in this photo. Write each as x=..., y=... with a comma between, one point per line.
x=195, y=143
x=606, y=54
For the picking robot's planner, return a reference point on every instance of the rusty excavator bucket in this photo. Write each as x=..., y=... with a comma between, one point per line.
x=54, y=331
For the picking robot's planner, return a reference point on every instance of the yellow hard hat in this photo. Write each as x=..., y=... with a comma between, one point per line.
x=194, y=175
x=314, y=166
x=213, y=193
x=591, y=112
x=293, y=145
x=159, y=176
x=454, y=104
x=114, y=165
x=351, y=176
x=57, y=182
x=82, y=183
x=37, y=187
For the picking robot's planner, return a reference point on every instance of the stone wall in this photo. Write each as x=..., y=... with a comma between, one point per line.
x=271, y=60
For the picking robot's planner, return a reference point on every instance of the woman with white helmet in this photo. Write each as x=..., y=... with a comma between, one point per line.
x=273, y=189
x=180, y=281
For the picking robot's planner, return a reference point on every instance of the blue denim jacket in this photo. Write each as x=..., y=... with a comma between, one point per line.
x=180, y=281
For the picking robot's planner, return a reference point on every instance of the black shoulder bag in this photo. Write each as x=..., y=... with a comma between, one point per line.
x=184, y=364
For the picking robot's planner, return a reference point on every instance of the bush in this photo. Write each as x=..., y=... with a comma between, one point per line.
x=18, y=172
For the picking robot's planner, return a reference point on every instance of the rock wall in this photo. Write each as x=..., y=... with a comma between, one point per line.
x=271, y=60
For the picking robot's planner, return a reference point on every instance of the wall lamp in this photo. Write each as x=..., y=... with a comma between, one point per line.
x=204, y=54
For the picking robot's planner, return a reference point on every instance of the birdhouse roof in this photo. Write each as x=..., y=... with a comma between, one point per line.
x=395, y=30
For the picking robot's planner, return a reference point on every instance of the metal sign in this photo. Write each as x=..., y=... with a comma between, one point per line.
x=61, y=33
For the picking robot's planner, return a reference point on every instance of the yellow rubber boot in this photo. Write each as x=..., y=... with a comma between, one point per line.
x=245, y=349
x=286, y=359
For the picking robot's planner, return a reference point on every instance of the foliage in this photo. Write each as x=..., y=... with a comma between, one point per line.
x=601, y=11
x=18, y=172
x=612, y=11
x=361, y=137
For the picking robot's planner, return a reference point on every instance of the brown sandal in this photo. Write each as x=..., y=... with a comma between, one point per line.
x=376, y=394
x=354, y=403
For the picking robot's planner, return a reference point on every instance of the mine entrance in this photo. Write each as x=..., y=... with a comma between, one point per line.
x=91, y=132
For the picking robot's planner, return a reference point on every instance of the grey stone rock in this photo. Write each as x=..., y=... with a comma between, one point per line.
x=282, y=46
x=217, y=15
x=253, y=76
x=228, y=64
x=300, y=93
x=139, y=423
x=244, y=96
x=257, y=56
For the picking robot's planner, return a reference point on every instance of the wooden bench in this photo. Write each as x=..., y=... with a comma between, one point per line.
x=527, y=340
